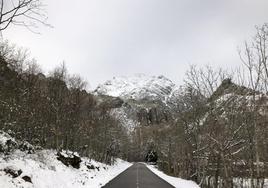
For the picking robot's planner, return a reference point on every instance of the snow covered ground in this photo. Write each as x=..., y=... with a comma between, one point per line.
x=176, y=182
x=46, y=171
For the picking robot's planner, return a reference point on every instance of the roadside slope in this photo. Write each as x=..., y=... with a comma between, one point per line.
x=176, y=182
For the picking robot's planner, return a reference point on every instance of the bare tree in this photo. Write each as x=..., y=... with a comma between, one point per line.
x=75, y=81
x=254, y=57
x=27, y=13
x=205, y=80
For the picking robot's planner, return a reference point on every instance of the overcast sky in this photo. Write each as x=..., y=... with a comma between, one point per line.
x=100, y=39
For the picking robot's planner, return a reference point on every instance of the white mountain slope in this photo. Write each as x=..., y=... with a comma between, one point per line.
x=137, y=87
x=141, y=94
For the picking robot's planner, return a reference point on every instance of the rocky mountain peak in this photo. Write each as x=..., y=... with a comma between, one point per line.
x=137, y=87
x=228, y=87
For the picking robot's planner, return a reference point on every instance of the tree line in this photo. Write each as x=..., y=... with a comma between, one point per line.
x=55, y=111
x=217, y=133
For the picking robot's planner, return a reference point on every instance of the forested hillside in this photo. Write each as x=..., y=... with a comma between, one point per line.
x=56, y=111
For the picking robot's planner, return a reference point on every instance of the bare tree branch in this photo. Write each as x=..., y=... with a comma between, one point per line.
x=27, y=13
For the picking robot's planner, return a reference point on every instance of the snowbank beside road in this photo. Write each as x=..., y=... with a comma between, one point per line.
x=45, y=171
x=176, y=182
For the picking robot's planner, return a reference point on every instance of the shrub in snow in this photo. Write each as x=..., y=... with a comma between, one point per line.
x=26, y=146
x=69, y=158
x=7, y=143
x=14, y=172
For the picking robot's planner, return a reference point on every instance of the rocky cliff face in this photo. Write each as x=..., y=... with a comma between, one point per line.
x=147, y=99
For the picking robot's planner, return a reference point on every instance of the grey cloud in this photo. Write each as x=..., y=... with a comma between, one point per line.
x=104, y=38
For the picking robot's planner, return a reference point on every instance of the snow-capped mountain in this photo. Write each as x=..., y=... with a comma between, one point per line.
x=146, y=99
x=137, y=87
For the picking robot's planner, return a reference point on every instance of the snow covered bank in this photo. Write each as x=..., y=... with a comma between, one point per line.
x=246, y=183
x=45, y=171
x=176, y=182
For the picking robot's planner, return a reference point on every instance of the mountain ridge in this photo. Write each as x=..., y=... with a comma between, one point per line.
x=137, y=87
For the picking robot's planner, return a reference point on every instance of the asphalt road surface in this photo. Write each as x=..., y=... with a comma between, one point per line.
x=137, y=176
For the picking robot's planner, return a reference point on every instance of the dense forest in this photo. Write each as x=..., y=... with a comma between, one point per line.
x=215, y=133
